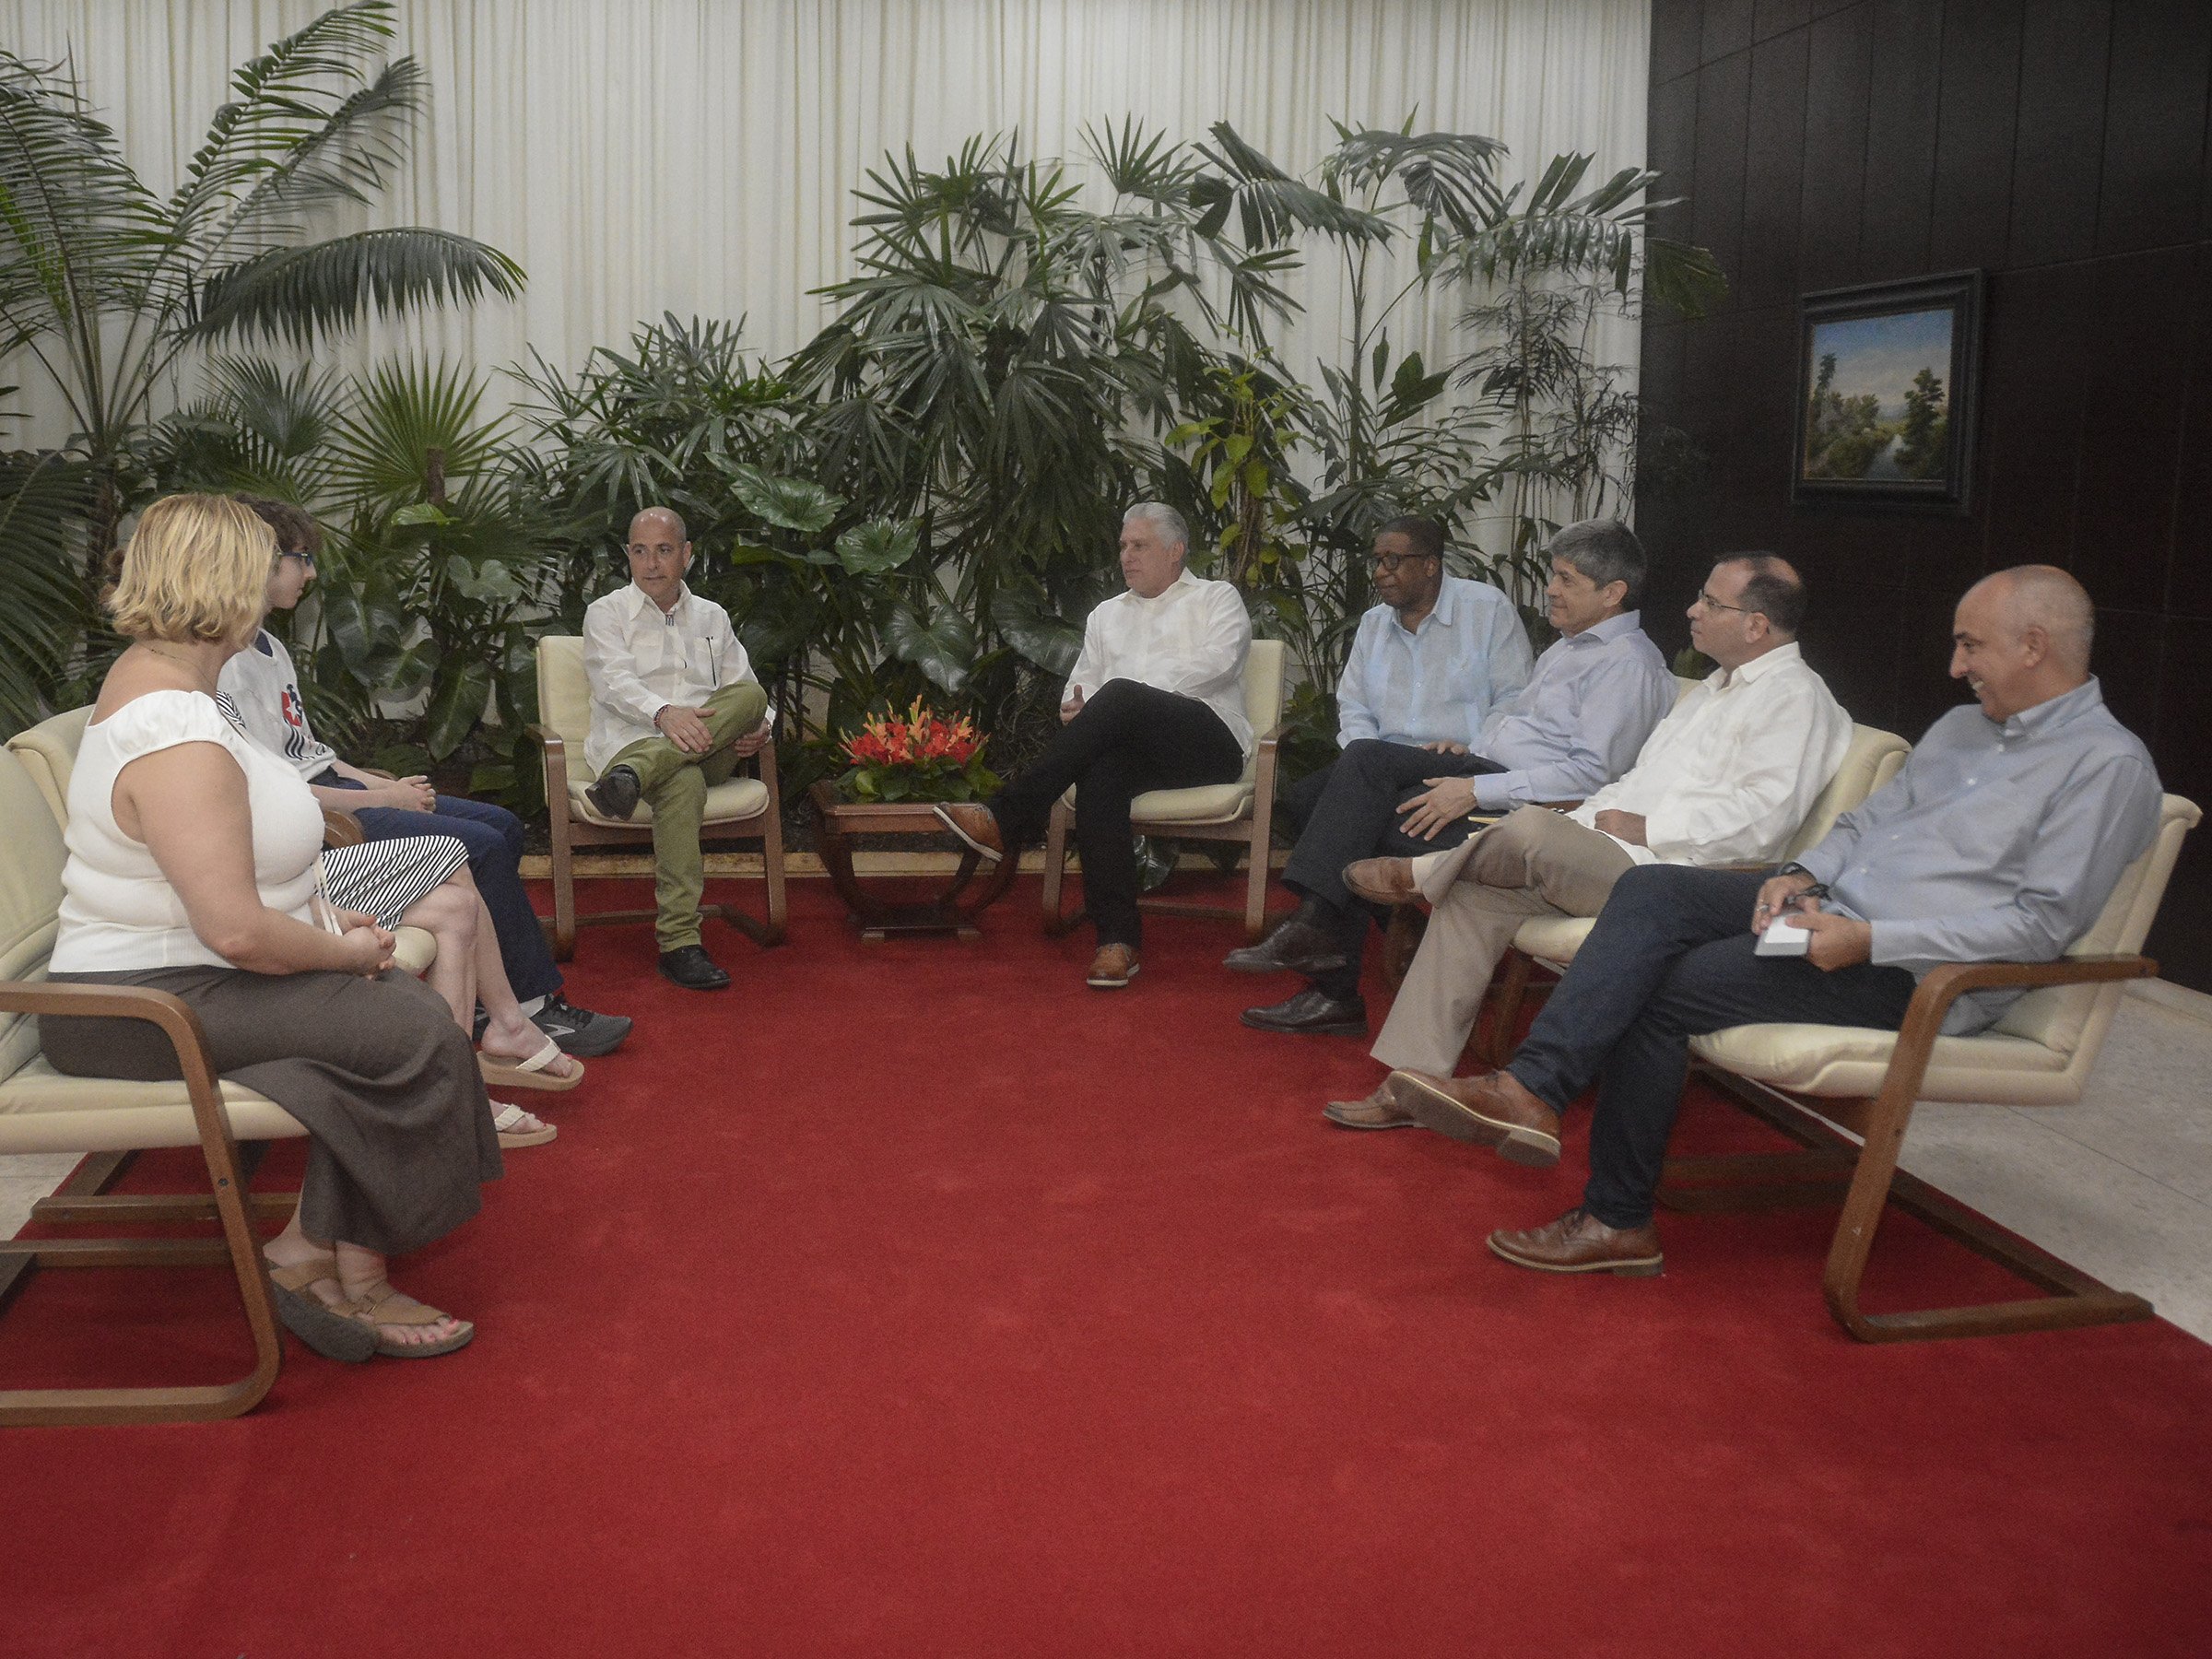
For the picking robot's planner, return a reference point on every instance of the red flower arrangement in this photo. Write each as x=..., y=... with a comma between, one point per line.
x=919, y=757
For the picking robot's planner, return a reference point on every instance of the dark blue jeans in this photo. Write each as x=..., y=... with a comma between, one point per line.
x=494, y=839
x=1670, y=958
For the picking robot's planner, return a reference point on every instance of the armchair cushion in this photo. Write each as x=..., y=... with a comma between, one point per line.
x=727, y=802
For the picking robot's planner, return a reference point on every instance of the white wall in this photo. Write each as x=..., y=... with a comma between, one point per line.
x=700, y=156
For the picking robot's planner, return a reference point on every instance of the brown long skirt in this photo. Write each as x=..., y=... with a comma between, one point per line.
x=384, y=1082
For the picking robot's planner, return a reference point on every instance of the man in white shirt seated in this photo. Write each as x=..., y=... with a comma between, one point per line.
x=1156, y=700
x=1428, y=663
x=1726, y=779
x=675, y=707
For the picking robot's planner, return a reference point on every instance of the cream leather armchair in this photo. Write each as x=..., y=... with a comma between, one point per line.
x=1806, y=1079
x=742, y=808
x=1241, y=812
x=42, y=1110
x=1550, y=942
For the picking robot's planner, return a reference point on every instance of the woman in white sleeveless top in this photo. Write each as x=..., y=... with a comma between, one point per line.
x=192, y=869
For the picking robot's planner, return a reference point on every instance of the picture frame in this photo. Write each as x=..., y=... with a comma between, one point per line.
x=1889, y=381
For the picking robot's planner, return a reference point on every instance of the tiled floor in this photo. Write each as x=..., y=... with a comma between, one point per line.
x=2119, y=1185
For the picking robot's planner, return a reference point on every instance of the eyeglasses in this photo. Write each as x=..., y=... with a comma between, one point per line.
x=306, y=561
x=1709, y=603
x=1388, y=564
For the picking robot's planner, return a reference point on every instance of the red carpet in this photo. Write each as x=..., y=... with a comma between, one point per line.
x=911, y=1298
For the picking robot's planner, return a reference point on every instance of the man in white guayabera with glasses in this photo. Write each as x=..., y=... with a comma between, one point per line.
x=675, y=707
x=1156, y=700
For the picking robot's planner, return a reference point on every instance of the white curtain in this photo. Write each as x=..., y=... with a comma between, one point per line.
x=700, y=156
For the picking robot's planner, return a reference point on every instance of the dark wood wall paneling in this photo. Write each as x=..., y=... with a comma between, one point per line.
x=2064, y=146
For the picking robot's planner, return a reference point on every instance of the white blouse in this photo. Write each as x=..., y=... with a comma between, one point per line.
x=119, y=912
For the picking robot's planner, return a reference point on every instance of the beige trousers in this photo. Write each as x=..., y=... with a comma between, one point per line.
x=1535, y=861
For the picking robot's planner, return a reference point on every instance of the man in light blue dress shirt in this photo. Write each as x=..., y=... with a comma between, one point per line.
x=1577, y=724
x=1428, y=663
x=2000, y=841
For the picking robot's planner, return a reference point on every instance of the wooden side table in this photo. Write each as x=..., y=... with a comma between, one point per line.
x=952, y=910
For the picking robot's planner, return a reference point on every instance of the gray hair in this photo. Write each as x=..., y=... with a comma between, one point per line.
x=1163, y=519
x=1605, y=550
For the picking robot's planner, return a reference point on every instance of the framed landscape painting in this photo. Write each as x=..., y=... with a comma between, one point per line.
x=1886, y=388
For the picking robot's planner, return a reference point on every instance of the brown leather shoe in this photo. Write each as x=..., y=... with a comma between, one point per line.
x=976, y=826
x=1114, y=966
x=1382, y=880
x=1374, y=1112
x=1493, y=1110
x=1579, y=1243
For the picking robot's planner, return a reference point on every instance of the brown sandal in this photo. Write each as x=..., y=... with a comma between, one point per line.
x=327, y=1329
x=387, y=1306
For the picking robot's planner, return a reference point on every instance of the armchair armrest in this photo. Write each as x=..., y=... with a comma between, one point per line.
x=1947, y=982
x=175, y=1018
x=341, y=828
x=555, y=748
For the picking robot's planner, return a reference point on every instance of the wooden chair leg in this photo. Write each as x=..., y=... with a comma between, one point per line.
x=564, y=886
x=1055, y=869
x=1255, y=890
x=1509, y=989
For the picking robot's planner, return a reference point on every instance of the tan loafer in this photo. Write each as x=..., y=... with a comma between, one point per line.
x=1112, y=968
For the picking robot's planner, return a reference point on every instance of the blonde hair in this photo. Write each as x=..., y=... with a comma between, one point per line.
x=196, y=570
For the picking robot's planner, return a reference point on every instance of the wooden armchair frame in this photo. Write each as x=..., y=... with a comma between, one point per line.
x=83, y=1200
x=571, y=832
x=1867, y=1176
x=1250, y=830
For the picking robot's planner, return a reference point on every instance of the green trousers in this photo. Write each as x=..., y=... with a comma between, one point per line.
x=673, y=782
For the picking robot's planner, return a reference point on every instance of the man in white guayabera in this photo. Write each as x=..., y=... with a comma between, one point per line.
x=675, y=707
x=1156, y=700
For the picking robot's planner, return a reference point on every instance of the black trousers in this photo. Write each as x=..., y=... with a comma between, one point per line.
x=1357, y=817
x=1670, y=958
x=1129, y=738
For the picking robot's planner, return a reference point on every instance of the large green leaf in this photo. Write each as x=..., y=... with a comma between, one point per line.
x=1044, y=638
x=456, y=706
x=787, y=503
x=942, y=647
x=881, y=545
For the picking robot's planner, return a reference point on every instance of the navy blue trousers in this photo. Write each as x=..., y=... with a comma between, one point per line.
x=1672, y=957
x=494, y=839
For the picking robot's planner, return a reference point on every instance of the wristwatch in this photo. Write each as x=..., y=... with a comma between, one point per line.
x=1819, y=887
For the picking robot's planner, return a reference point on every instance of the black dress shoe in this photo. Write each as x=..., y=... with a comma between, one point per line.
x=1297, y=946
x=1313, y=1013
x=690, y=966
x=616, y=795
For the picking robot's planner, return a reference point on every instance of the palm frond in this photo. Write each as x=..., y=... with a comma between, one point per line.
x=298, y=294
x=402, y=414
x=1449, y=176
x=292, y=130
x=1271, y=207
x=40, y=499
x=77, y=230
